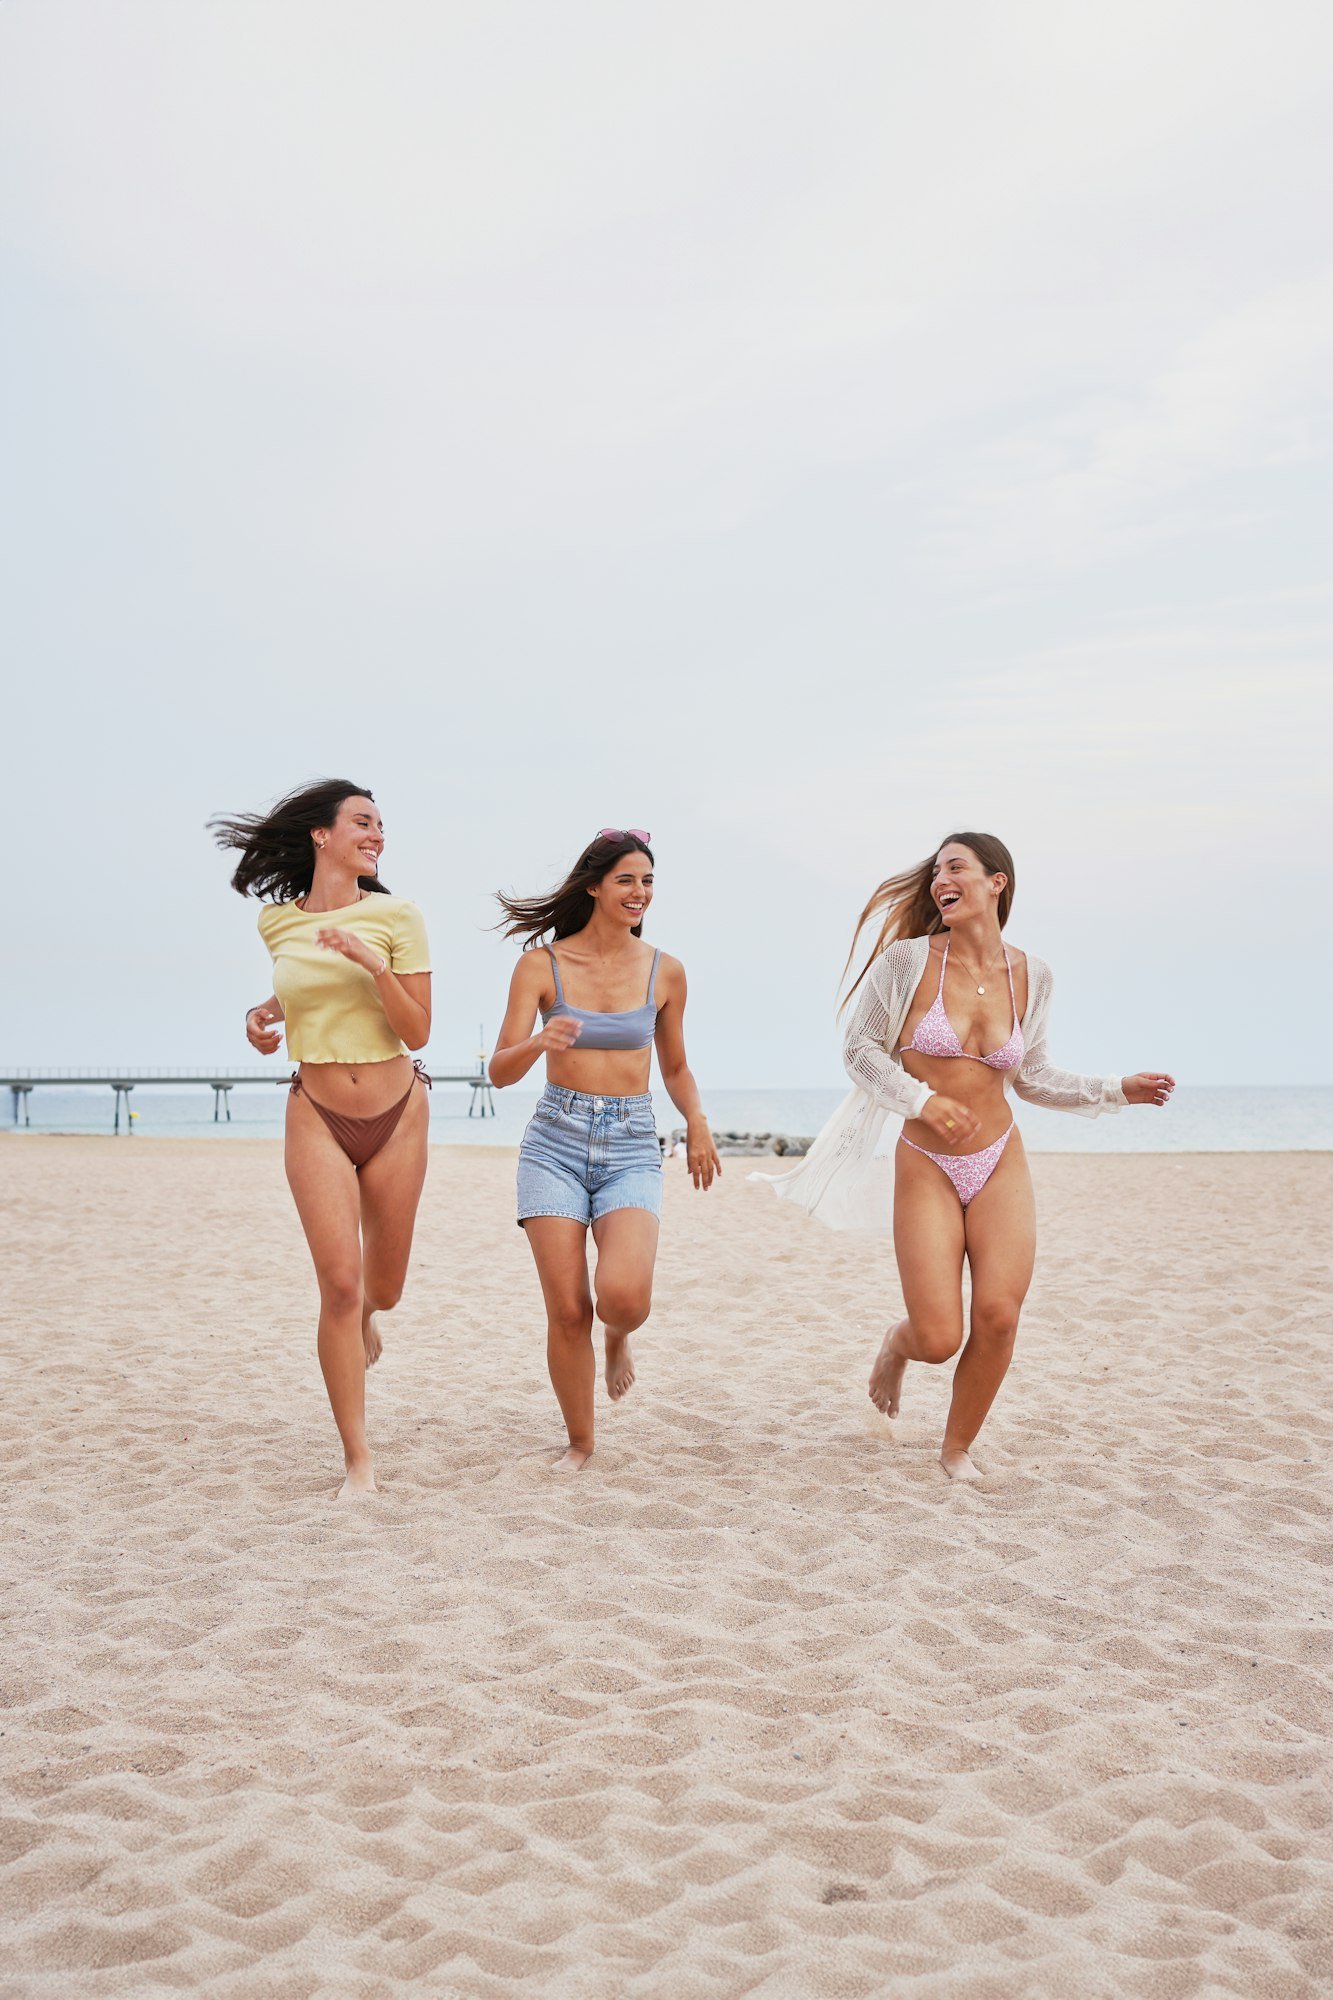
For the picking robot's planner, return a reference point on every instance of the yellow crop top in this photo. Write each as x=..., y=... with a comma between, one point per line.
x=333, y=1012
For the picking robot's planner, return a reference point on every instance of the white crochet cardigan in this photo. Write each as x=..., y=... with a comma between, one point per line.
x=840, y=1180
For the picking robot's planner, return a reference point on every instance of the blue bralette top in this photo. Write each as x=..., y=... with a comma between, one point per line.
x=632, y=1029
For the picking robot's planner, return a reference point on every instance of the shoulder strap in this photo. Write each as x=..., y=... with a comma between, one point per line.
x=944, y=960
x=652, y=982
x=555, y=967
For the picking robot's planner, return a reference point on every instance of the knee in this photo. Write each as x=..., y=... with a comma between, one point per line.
x=995, y=1321
x=623, y=1306
x=340, y=1289
x=385, y=1297
x=937, y=1340
x=569, y=1320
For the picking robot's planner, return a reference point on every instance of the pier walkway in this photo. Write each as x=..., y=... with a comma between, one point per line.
x=22, y=1082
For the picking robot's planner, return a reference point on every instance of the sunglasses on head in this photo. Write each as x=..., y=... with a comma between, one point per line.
x=624, y=833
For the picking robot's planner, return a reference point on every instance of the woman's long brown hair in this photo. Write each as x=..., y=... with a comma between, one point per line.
x=569, y=908
x=909, y=910
x=277, y=852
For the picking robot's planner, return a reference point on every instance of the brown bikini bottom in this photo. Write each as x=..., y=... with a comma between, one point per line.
x=362, y=1138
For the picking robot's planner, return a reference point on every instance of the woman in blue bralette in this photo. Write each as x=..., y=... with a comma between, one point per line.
x=590, y=1157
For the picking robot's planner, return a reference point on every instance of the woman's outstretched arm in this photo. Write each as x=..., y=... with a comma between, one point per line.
x=1041, y=1081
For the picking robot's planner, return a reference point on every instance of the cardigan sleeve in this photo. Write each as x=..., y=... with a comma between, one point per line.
x=1039, y=1081
x=871, y=1035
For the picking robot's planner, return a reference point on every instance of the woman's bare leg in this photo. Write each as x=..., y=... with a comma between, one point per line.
x=391, y=1186
x=323, y=1184
x=626, y=1242
x=560, y=1249
x=1001, y=1228
x=928, y=1242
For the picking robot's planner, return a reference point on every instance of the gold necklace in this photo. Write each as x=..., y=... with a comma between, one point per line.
x=981, y=987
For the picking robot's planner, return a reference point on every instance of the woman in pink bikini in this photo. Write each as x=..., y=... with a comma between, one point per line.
x=351, y=990
x=947, y=1020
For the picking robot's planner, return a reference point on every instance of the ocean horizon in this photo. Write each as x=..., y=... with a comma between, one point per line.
x=1238, y=1118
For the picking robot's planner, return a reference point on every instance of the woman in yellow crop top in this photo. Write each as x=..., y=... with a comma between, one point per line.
x=351, y=987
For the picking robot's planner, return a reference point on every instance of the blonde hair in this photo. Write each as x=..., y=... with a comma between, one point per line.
x=908, y=908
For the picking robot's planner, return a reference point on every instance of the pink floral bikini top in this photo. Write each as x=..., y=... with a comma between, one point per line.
x=934, y=1033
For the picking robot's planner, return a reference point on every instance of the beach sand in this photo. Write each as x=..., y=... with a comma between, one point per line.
x=758, y=1704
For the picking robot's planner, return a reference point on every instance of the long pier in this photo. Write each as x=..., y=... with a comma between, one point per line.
x=22, y=1082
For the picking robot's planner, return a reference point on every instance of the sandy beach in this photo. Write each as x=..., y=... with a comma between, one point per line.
x=758, y=1704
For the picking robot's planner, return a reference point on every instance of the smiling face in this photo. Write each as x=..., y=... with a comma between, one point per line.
x=626, y=890
x=960, y=887
x=355, y=841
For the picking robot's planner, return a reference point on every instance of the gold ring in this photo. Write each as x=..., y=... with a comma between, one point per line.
x=949, y=1123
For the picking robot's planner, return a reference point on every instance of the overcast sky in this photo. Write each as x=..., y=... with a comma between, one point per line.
x=798, y=429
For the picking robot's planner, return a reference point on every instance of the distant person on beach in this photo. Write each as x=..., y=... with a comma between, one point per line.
x=590, y=1156
x=947, y=1021
x=351, y=985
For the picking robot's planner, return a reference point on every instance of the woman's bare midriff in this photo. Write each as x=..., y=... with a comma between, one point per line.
x=972, y=1084
x=601, y=1072
x=357, y=1090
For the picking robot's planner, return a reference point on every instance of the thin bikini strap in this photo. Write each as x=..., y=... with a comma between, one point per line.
x=555, y=967
x=652, y=982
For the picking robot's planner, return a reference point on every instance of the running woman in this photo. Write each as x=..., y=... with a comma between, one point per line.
x=351, y=987
x=949, y=1019
x=590, y=1157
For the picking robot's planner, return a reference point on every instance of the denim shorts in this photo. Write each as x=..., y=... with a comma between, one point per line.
x=584, y=1156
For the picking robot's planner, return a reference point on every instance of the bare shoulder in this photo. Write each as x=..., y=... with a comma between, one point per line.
x=533, y=971
x=670, y=976
x=1032, y=973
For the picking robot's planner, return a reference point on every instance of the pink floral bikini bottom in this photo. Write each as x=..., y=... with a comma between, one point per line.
x=969, y=1172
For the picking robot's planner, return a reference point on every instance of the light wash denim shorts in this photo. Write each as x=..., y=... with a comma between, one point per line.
x=584, y=1156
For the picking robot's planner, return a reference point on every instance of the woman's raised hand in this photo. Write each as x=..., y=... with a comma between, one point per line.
x=260, y=1032
x=350, y=945
x=949, y=1120
x=1150, y=1086
x=558, y=1035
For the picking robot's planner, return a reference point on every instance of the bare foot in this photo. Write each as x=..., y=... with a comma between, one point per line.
x=619, y=1366
x=959, y=1466
x=360, y=1479
x=886, y=1377
x=370, y=1336
x=574, y=1460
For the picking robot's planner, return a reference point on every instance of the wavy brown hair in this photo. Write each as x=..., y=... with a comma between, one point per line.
x=908, y=909
x=277, y=849
x=568, y=909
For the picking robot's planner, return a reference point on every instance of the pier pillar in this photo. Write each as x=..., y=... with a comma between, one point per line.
x=123, y=1090
x=481, y=1104
x=24, y=1091
x=221, y=1096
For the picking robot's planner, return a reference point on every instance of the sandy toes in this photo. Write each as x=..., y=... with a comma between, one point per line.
x=370, y=1335
x=960, y=1467
x=360, y=1480
x=573, y=1460
x=619, y=1366
x=886, y=1377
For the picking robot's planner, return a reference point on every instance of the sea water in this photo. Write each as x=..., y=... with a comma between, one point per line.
x=1231, y=1119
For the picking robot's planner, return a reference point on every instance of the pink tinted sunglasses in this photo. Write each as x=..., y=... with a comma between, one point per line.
x=624, y=833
